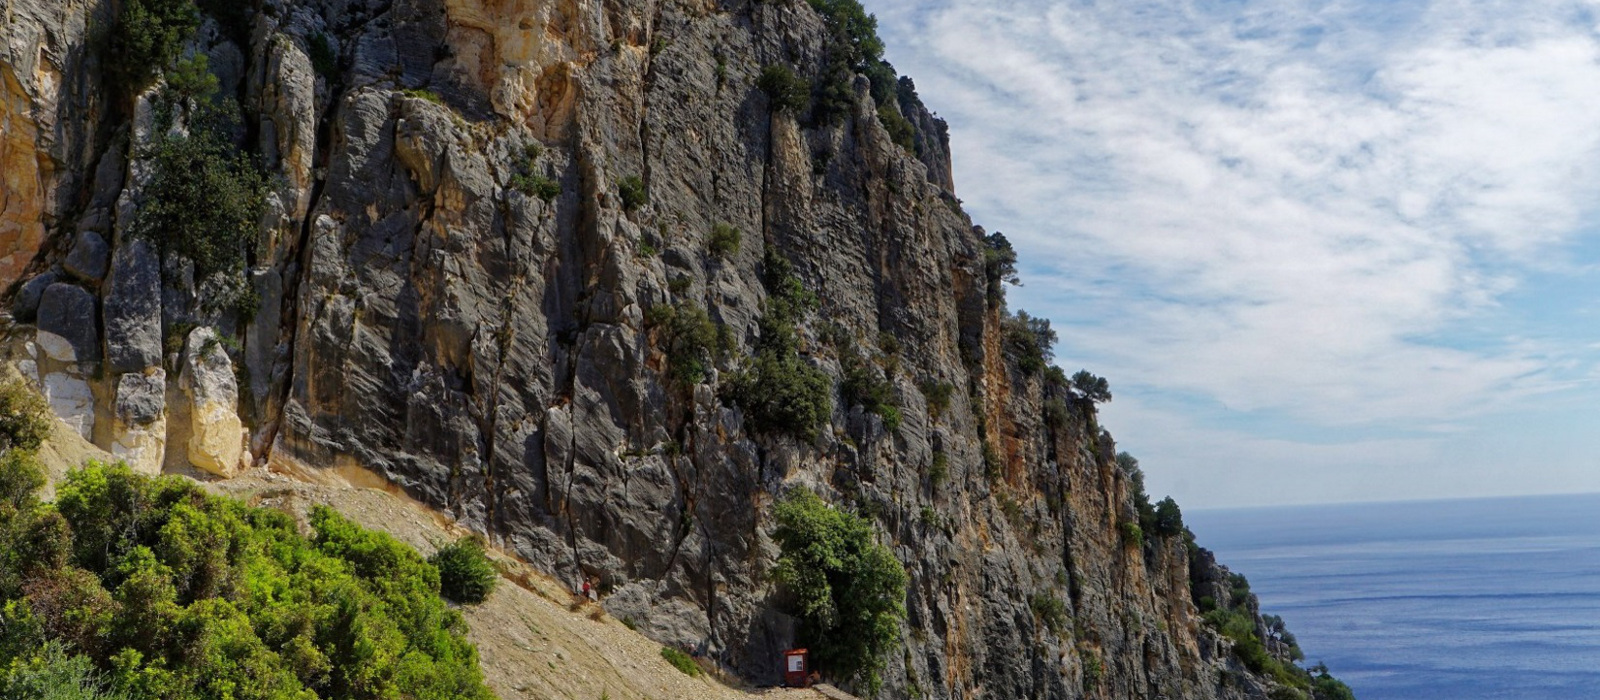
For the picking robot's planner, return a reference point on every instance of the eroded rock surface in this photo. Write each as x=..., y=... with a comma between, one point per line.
x=452, y=292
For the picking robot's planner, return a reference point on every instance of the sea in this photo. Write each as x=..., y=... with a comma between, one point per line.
x=1454, y=600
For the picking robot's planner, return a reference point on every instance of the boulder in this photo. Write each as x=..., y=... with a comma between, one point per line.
x=90, y=257
x=67, y=328
x=25, y=307
x=133, y=308
x=141, y=426
x=216, y=437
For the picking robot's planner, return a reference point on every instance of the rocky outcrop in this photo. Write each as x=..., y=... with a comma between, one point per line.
x=216, y=435
x=452, y=289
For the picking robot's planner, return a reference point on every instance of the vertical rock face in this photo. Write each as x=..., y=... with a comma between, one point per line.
x=216, y=436
x=452, y=290
x=48, y=113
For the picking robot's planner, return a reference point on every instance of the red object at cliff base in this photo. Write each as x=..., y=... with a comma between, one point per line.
x=796, y=668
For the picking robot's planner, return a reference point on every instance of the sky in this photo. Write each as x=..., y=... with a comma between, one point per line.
x=1324, y=251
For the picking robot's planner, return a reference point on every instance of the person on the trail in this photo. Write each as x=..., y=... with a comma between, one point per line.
x=587, y=593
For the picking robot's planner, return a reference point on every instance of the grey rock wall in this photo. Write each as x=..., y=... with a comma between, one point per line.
x=423, y=318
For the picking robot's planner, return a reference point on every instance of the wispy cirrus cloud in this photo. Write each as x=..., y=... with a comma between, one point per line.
x=1314, y=223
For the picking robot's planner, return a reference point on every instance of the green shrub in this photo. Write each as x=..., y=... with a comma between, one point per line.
x=1050, y=610
x=1093, y=669
x=145, y=40
x=779, y=390
x=847, y=589
x=25, y=417
x=545, y=188
x=465, y=573
x=632, y=191
x=690, y=340
x=900, y=129
x=786, y=91
x=681, y=661
x=939, y=469
x=424, y=94
x=204, y=202
x=782, y=393
x=1028, y=340
x=724, y=240
x=938, y=395
x=862, y=385
x=20, y=476
x=1132, y=534
x=52, y=673
x=177, y=594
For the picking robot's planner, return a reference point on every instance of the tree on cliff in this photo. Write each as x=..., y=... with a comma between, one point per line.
x=848, y=590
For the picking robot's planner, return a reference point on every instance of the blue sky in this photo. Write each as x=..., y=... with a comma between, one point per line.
x=1323, y=250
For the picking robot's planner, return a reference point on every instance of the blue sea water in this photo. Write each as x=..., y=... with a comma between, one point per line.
x=1454, y=600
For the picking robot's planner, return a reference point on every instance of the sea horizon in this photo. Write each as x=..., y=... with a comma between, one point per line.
x=1465, y=599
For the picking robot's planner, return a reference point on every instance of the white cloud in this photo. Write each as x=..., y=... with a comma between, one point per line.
x=1277, y=205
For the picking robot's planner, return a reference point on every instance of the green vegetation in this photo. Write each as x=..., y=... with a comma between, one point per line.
x=787, y=91
x=999, y=267
x=681, y=661
x=690, y=340
x=899, y=128
x=1326, y=687
x=847, y=589
x=133, y=587
x=939, y=468
x=992, y=464
x=465, y=573
x=1028, y=341
x=1237, y=623
x=205, y=198
x=1050, y=610
x=527, y=180
x=863, y=385
x=1093, y=669
x=724, y=240
x=938, y=395
x=632, y=191
x=1089, y=386
x=25, y=418
x=777, y=388
x=1168, y=521
x=1132, y=534
x=146, y=40
x=424, y=94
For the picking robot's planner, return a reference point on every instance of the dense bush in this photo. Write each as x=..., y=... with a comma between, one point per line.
x=786, y=91
x=863, y=385
x=777, y=388
x=848, y=590
x=1028, y=341
x=631, y=190
x=1050, y=610
x=146, y=39
x=900, y=129
x=938, y=395
x=689, y=338
x=1168, y=518
x=724, y=240
x=177, y=594
x=465, y=573
x=25, y=418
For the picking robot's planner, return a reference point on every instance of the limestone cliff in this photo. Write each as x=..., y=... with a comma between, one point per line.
x=426, y=316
